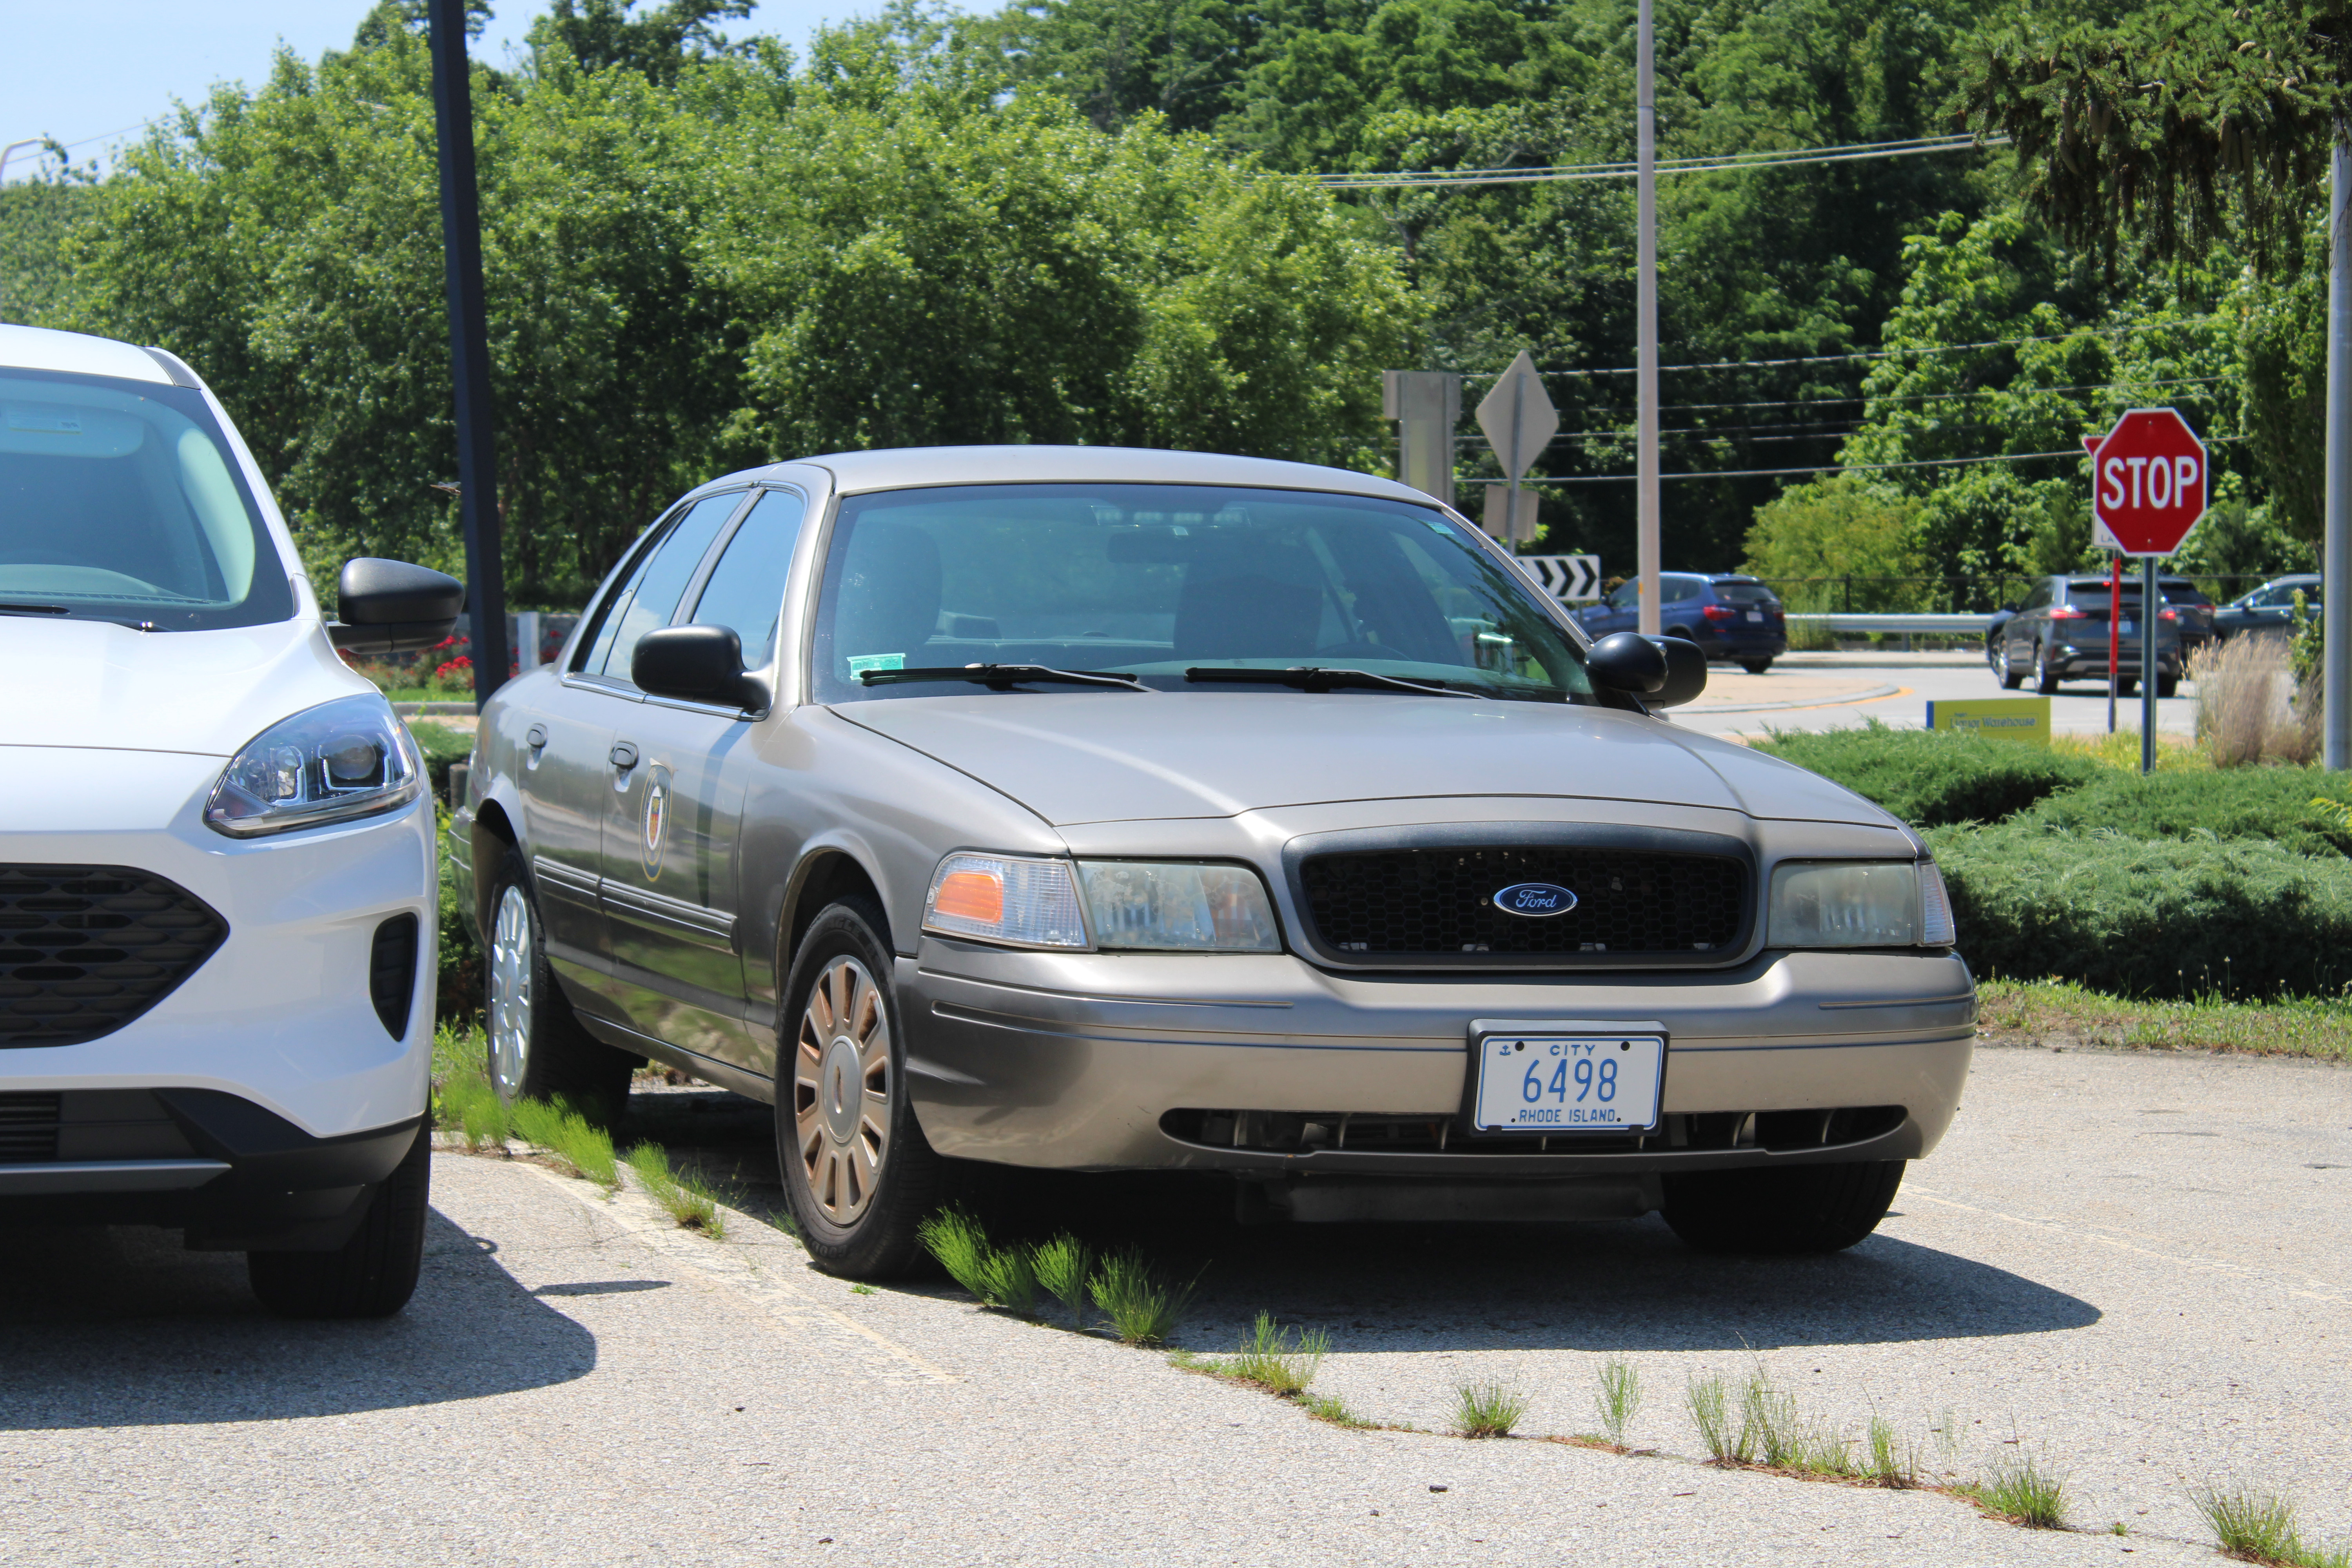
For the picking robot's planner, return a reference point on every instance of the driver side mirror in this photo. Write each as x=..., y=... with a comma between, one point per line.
x=1664, y=672
x=391, y=606
x=696, y=664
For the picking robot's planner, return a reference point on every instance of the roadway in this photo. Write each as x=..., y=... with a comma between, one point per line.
x=1840, y=691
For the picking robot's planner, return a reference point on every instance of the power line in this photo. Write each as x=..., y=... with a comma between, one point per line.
x=1555, y=173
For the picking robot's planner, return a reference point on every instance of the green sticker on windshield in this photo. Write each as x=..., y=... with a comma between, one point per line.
x=859, y=663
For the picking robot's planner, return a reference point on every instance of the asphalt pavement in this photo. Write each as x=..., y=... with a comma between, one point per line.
x=2131, y=1266
x=1842, y=691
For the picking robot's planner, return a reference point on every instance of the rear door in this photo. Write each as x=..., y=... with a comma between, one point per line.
x=672, y=851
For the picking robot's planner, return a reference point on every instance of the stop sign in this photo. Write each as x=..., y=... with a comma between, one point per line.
x=2148, y=483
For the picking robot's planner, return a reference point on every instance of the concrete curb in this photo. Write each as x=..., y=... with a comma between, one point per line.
x=1869, y=694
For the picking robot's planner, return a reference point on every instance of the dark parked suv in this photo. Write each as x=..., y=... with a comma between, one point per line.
x=1735, y=620
x=2059, y=634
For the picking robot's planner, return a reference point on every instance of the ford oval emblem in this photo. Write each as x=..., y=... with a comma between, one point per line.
x=1535, y=899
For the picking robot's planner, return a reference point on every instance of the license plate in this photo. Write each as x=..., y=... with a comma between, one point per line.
x=1755, y=615
x=1568, y=1083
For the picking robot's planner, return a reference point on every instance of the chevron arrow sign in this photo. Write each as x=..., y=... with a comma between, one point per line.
x=1572, y=579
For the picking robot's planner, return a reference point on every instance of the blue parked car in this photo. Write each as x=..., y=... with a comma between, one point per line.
x=1734, y=619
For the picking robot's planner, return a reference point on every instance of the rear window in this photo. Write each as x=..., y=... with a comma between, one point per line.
x=1744, y=593
x=122, y=502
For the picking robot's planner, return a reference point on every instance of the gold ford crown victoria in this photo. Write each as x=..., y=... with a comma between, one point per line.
x=1119, y=810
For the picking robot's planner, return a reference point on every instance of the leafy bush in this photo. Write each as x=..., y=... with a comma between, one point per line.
x=1932, y=779
x=2271, y=803
x=442, y=746
x=458, y=990
x=2148, y=917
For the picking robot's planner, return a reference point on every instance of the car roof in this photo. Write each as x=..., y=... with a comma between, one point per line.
x=908, y=468
x=76, y=353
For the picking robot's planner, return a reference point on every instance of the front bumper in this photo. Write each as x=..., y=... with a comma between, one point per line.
x=274, y=1043
x=1140, y=1062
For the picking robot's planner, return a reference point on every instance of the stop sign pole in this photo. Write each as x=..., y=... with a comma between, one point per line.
x=2149, y=482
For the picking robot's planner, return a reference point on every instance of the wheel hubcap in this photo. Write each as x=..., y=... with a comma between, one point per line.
x=509, y=998
x=841, y=1090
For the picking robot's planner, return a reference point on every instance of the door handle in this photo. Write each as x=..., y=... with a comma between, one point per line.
x=624, y=755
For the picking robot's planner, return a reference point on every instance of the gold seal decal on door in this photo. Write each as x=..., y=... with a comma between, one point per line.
x=657, y=818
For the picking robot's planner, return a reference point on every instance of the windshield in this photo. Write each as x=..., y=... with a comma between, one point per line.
x=1156, y=579
x=122, y=501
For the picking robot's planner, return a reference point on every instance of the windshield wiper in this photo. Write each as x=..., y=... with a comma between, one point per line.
x=34, y=610
x=1005, y=677
x=1310, y=678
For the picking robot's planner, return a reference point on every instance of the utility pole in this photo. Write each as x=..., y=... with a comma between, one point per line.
x=2336, y=560
x=1646, y=323
x=469, y=347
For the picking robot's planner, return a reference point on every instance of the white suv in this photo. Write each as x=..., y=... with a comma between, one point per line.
x=217, y=886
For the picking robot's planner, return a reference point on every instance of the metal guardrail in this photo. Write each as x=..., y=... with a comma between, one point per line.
x=1970, y=625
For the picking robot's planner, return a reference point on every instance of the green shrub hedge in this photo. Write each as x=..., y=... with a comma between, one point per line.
x=2271, y=803
x=2145, y=917
x=1932, y=779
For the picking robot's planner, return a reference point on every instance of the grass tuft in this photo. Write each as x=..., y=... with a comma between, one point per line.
x=1327, y=1408
x=1065, y=1268
x=2255, y=1526
x=1487, y=1409
x=1728, y=1443
x=683, y=1194
x=960, y=1244
x=2056, y=1012
x=1620, y=1399
x=1008, y=1279
x=578, y=1144
x=1143, y=1308
x=1278, y=1359
x=2021, y=1491
x=1894, y=1464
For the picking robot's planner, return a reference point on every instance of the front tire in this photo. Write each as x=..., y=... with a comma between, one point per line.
x=857, y=1168
x=538, y=1049
x=1782, y=1211
x=372, y=1275
x=2166, y=685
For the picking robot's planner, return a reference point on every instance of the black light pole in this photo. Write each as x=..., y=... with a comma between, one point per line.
x=469, y=347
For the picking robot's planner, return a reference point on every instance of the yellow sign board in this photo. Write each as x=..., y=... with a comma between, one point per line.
x=2025, y=719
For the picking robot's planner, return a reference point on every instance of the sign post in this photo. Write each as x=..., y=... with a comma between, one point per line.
x=2149, y=482
x=1520, y=421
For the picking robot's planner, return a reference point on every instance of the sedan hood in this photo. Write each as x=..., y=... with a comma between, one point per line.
x=95, y=684
x=1112, y=757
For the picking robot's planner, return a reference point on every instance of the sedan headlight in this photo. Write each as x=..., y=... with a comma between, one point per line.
x=345, y=759
x=1101, y=905
x=1860, y=903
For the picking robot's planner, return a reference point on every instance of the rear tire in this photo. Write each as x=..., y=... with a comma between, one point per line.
x=1755, y=666
x=2045, y=680
x=2009, y=675
x=538, y=1049
x=1783, y=1211
x=2127, y=684
x=857, y=1168
x=372, y=1275
x=2166, y=685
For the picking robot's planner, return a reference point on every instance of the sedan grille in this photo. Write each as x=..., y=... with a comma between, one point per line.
x=1440, y=901
x=86, y=949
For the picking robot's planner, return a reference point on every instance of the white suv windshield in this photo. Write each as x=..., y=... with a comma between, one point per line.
x=1157, y=581
x=122, y=501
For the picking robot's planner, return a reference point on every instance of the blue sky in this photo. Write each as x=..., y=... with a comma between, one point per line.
x=92, y=72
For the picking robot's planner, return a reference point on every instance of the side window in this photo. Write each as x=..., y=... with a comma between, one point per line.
x=746, y=590
x=654, y=597
x=1627, y=598
x=1674, y=590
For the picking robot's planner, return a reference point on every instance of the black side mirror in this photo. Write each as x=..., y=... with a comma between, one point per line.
x=391, y=606
x=1627, y=662
x=1685, y=673
x=696, y=664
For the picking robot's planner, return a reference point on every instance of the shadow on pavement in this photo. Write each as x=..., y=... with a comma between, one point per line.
x=121, y=1327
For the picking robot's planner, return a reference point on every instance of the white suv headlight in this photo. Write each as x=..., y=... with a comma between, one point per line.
x=345, y=759
x=1859, y=903
x=1125, y=906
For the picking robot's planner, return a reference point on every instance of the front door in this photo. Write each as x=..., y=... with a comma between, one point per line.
x=678, y=772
